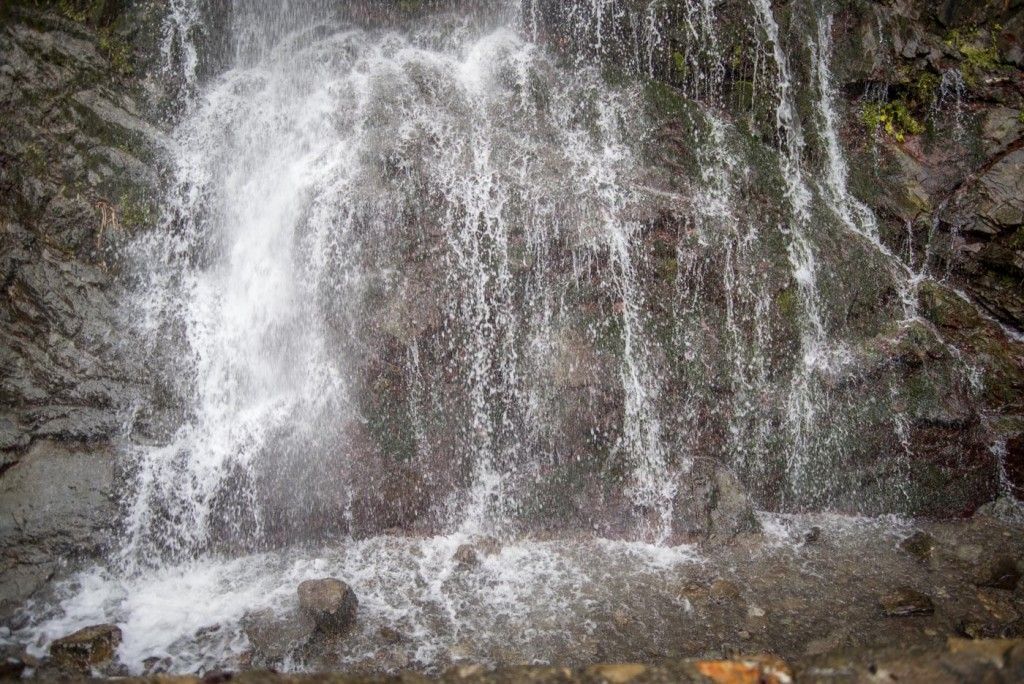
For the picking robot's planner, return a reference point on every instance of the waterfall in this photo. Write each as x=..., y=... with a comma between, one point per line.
x=419, y=254
x=805, y=401
x=481, y=305
x=300, y=174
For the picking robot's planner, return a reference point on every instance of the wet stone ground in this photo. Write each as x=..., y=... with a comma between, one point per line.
x=836, y=598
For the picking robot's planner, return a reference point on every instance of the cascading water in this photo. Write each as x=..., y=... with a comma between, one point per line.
x=442, y=272
x=329, y=150
x=293, y=170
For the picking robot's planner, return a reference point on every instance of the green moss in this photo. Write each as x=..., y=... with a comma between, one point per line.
x=679, y=62
x=924, y=86
x=135, y=212
x=894, y=118
x=35, y=159
x=668, y=269
x=979, y=57
x=786, y=302
x=665, y=100
x=1017, y=241
x=116, y=50
x=95, y=13
x=72, y=11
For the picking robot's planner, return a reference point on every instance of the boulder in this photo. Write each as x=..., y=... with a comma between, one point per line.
x=330, y=604
x=390, y=635
x=712, y=505
x=87, y=648
x=468, y=555
x=55, y=502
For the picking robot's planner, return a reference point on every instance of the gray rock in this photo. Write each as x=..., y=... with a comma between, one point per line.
x=390, y=636
x=55, y=502
x=1000, y=127
x=329, y=603
x=1001, y=192
x=274, y=636
x=731, y=510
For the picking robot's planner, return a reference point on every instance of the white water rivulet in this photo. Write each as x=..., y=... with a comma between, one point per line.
x=436, y=273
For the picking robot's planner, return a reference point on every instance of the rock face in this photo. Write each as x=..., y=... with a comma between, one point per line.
x=55, y=502
x=330, y=604
x=87, y=648
x=77, y=169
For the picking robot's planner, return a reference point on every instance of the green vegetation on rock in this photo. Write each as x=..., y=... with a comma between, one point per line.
x=979, y=56
x=895, y=118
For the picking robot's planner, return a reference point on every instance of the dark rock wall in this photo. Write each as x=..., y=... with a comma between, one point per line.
x=947, y=180
x=78, y=170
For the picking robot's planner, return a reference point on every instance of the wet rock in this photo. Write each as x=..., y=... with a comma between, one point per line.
x=74, y=139
x=13, y=661
x=87, y=648
x=156, y=665
x=1004, y=574
x=905, y=601
x=712, y=505
x=725, y=589
x=919, y=545
x=465, y=557
x=470, y=555
x=274, y=636
x=390, y=636
x=732, y=512
x=56, y=501
x=330, y=603
x=207, y=631
x=387, y=495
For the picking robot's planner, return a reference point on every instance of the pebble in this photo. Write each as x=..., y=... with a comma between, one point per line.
x=919, y=545
x=905, y=602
